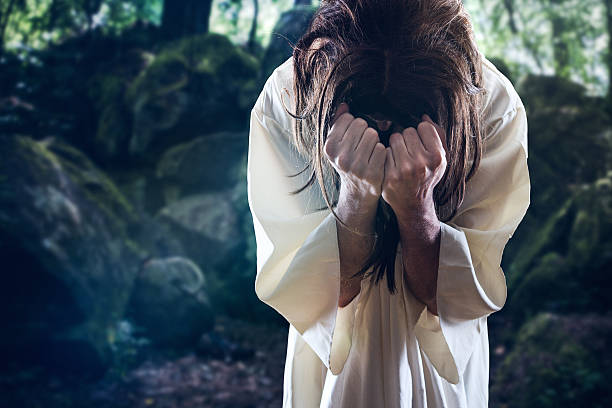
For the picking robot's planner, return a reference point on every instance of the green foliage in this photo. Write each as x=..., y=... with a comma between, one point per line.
x=566, y=37
x=39, y=23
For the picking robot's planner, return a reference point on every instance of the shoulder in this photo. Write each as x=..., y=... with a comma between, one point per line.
x=277, y=93
x=500, y=95
x=502, y=108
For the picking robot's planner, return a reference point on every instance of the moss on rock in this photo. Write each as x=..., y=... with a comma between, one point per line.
x=557, y=361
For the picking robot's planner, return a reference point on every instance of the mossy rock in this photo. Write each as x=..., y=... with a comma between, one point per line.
x=69, y=260
x=557, y=361
x=196, y=85
x=206, y=224
x=564, y=265
x=206, y=163
x=570, y=139
x=171, y=303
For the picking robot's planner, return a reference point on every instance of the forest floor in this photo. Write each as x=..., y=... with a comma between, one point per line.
x=163, y=381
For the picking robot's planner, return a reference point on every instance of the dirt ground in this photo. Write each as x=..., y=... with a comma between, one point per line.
x=163, y=381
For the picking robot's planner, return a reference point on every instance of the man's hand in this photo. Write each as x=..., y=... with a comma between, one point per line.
x=356, y=153
x=415, y=163
x=359, y=158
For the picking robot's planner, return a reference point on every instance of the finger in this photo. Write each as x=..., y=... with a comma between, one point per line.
x=413, y=142
x=366, y=145
x=354, y=132
x=429, y=137
x=338, y=130
x=378, y=156
x=398, y=148
x=439, y=129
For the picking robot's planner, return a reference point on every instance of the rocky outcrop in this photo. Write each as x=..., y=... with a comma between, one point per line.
x=197, y=85
x=170, y=301
x=69, y=262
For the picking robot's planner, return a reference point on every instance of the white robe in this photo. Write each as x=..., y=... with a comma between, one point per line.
x=384, y=350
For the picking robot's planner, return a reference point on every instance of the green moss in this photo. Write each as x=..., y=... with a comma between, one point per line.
x=550, y=366
x=584, y=236
x=104, y=90
x=209, y=54
x=168, y=72
x=533, y=246
x=545, y=284
x=50, y=157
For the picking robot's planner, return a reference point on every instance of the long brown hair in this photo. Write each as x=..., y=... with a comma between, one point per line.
x=401, y=57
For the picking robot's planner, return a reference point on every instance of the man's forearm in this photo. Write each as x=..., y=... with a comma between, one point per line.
x=420, y=238
x=353, y=248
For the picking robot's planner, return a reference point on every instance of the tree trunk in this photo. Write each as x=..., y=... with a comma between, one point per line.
x=509, y=4
x=253, y=32
x=185, y=17
x=561, y=53
x=608, y=5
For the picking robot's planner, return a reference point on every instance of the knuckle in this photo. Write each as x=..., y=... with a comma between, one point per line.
x=420, y=171
x=405, y=168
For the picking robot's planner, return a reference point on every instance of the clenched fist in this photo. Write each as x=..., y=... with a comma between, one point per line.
x=415, y=163
x=356, y=153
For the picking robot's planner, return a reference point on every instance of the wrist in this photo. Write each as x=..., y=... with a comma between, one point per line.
x=358, y=201
x=357, y=213
x=413, y=211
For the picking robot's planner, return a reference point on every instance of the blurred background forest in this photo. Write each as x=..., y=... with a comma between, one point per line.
x=127, y=247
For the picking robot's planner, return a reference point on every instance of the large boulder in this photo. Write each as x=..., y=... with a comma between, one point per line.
x=170, y=301
x=565, y=266
x=207, y=163
x=207, y=225
x=570, y=139
x=563, y=244
x=194, y=86
x=68, y=261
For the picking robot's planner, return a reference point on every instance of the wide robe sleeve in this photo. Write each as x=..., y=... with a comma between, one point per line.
x=471, y=283
x=298, y=265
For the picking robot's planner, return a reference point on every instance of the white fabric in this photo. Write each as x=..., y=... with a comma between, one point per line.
x=384, y=350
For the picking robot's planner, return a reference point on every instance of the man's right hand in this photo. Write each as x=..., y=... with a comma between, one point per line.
x=356, y=153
